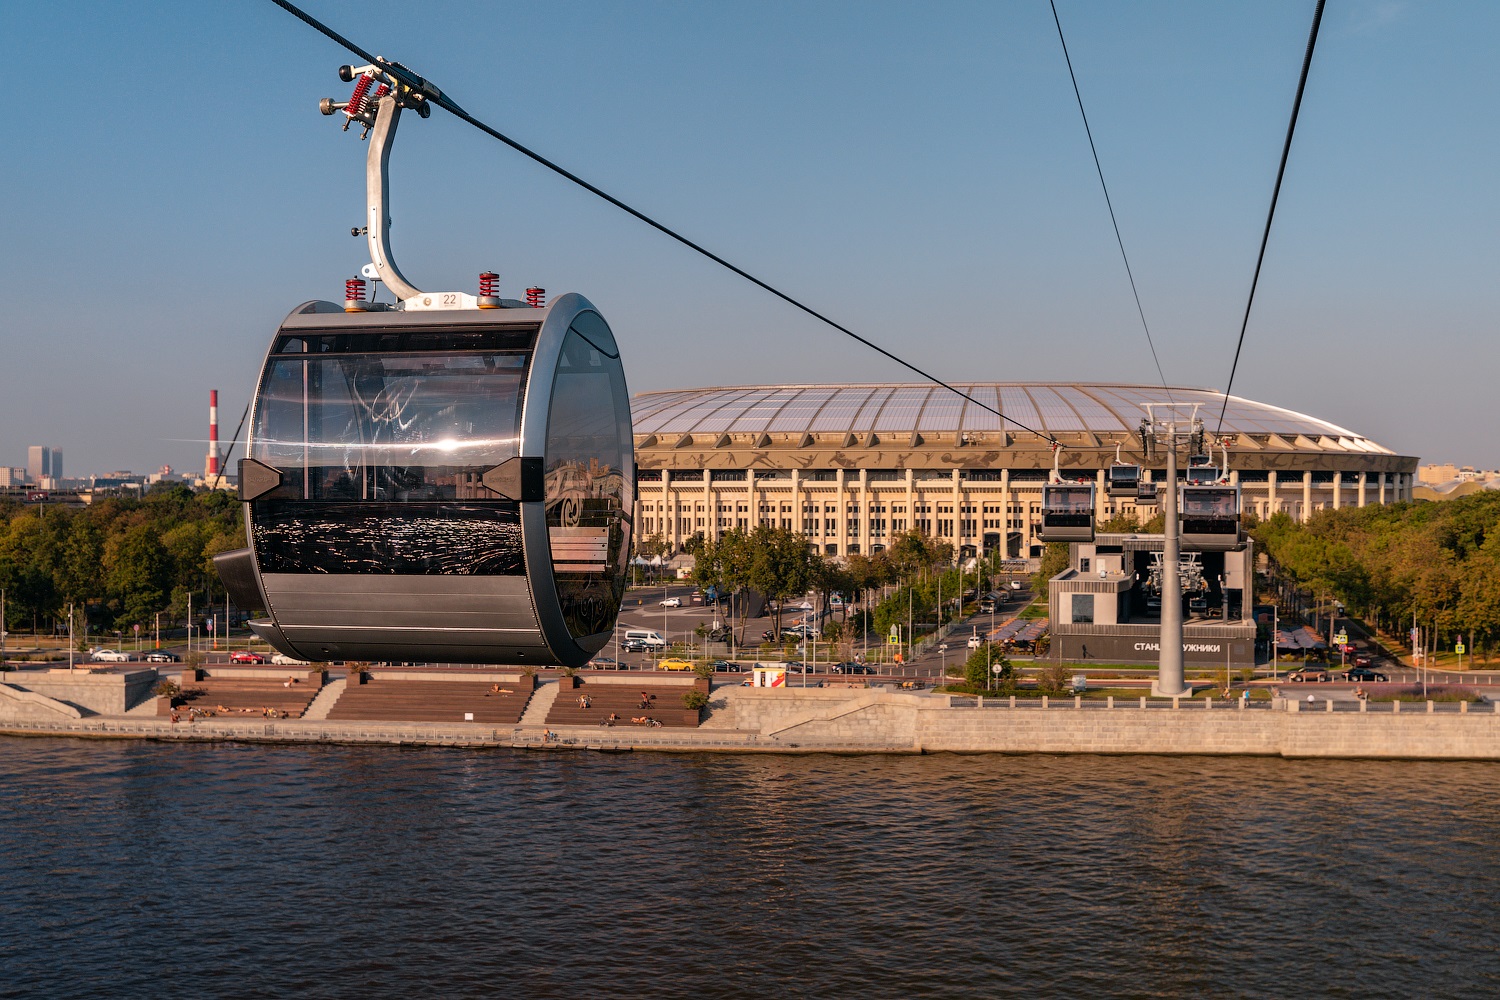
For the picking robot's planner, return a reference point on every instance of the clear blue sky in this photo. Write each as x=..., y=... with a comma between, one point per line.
x=919, y=172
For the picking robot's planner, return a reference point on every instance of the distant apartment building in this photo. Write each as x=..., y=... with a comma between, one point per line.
x=12, y=476
x=1437, y=475
x=44, y=463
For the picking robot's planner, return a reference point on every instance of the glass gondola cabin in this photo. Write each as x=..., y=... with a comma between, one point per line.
x=1067, y=512
x=450, y=486
x=1210, y=517
x=1124, y=480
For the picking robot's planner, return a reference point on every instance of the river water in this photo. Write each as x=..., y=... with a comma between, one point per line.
x=132, y=869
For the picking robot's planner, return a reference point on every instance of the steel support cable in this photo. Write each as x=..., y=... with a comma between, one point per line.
x=1286, y=149
x=435, y=96
x=1109, y=204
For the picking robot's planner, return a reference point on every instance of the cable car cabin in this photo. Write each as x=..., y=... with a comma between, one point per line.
x=1210, y=518
x=1067, y=512
x=430, y=486
x=1202, y=474
x=1145, y=495
x=1124, y=480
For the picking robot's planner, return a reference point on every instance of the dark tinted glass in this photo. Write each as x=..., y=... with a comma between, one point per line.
x=589, y=450
x=297, y=536
x=407, y=341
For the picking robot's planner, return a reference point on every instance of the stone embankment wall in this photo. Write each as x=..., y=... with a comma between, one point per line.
x=802, y=720
x=112, y=693
x=934, y=723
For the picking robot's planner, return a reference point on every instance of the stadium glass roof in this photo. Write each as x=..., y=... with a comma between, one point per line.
x=1053, y=407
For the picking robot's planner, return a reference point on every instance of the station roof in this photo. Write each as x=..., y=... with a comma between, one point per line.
x=1101, y=408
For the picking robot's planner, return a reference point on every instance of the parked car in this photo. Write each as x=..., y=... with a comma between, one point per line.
x=674, y=663
x=646, y=637
x=162, y=656
x=850, y=667
x=1361, y=660
x=986, y=607
x=670, y=602
x=111, y=656
x=246, y=656
x=975, y=641
x=1310, y=673
x=1015, y=585
x=633, y=646
x=726, y=667
x=281, y=659
x=1365, y=674
x=801, y=632
x=769, y=635
x=604, y=663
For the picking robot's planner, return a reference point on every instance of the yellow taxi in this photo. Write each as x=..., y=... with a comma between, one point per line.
x=673, y=663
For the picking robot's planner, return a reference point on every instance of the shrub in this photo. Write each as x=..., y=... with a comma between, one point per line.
x=167, y=689
x=704, y=669
x=694, y=700
x=1054, y=679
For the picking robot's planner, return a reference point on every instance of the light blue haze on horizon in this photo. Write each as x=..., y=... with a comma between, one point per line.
x=919, y=173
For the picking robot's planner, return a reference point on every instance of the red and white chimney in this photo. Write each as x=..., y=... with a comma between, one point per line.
x=212, y=467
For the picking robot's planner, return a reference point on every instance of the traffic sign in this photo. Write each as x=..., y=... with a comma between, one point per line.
x=997, y=669
x=1459, y=649
x=895, y=638
x=1342, y=639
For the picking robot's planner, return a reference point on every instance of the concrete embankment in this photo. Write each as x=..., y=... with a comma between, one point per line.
x=879, y=720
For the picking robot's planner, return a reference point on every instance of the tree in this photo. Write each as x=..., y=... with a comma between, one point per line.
x=979, y=674
x=779, y=564
x=1055, y=559
x=139, y=574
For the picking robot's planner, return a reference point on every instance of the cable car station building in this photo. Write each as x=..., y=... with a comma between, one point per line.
x=851, y=466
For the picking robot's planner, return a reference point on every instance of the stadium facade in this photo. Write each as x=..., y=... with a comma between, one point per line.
x=851, y=466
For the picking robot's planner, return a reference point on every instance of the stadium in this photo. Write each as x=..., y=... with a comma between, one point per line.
x=851, y=466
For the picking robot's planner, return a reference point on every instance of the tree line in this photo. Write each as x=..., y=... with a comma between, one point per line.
x=1436, y=562
x=118, y=561
x=916, y=571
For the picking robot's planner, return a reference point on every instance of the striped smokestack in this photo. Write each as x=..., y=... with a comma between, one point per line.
x=212, y=467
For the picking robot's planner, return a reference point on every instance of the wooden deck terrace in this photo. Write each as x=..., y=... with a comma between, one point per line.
x=246, y=696
x=382, y=699
x=624, y=701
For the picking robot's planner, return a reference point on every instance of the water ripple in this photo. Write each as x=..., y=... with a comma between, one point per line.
x=131, y=869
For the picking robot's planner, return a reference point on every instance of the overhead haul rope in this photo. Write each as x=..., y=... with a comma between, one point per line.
x=431, y=94
x=224, y=463
x=1286, y=148
x=1109, y=204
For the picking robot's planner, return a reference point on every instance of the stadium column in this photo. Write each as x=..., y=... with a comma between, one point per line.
x=842, y=518
x=1271, y=493
x=911, y=500
x=1361, y=500
x=752, y=504
x=1382, y=489
x=958, y=515
x=799, y=517
x=1099, y=492
x=1338, y=482
x=708, y=502
x=864, y=511
x=1005, y=513
x=1306, y=496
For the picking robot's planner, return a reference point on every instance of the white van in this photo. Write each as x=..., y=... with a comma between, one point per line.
x=644, y=637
